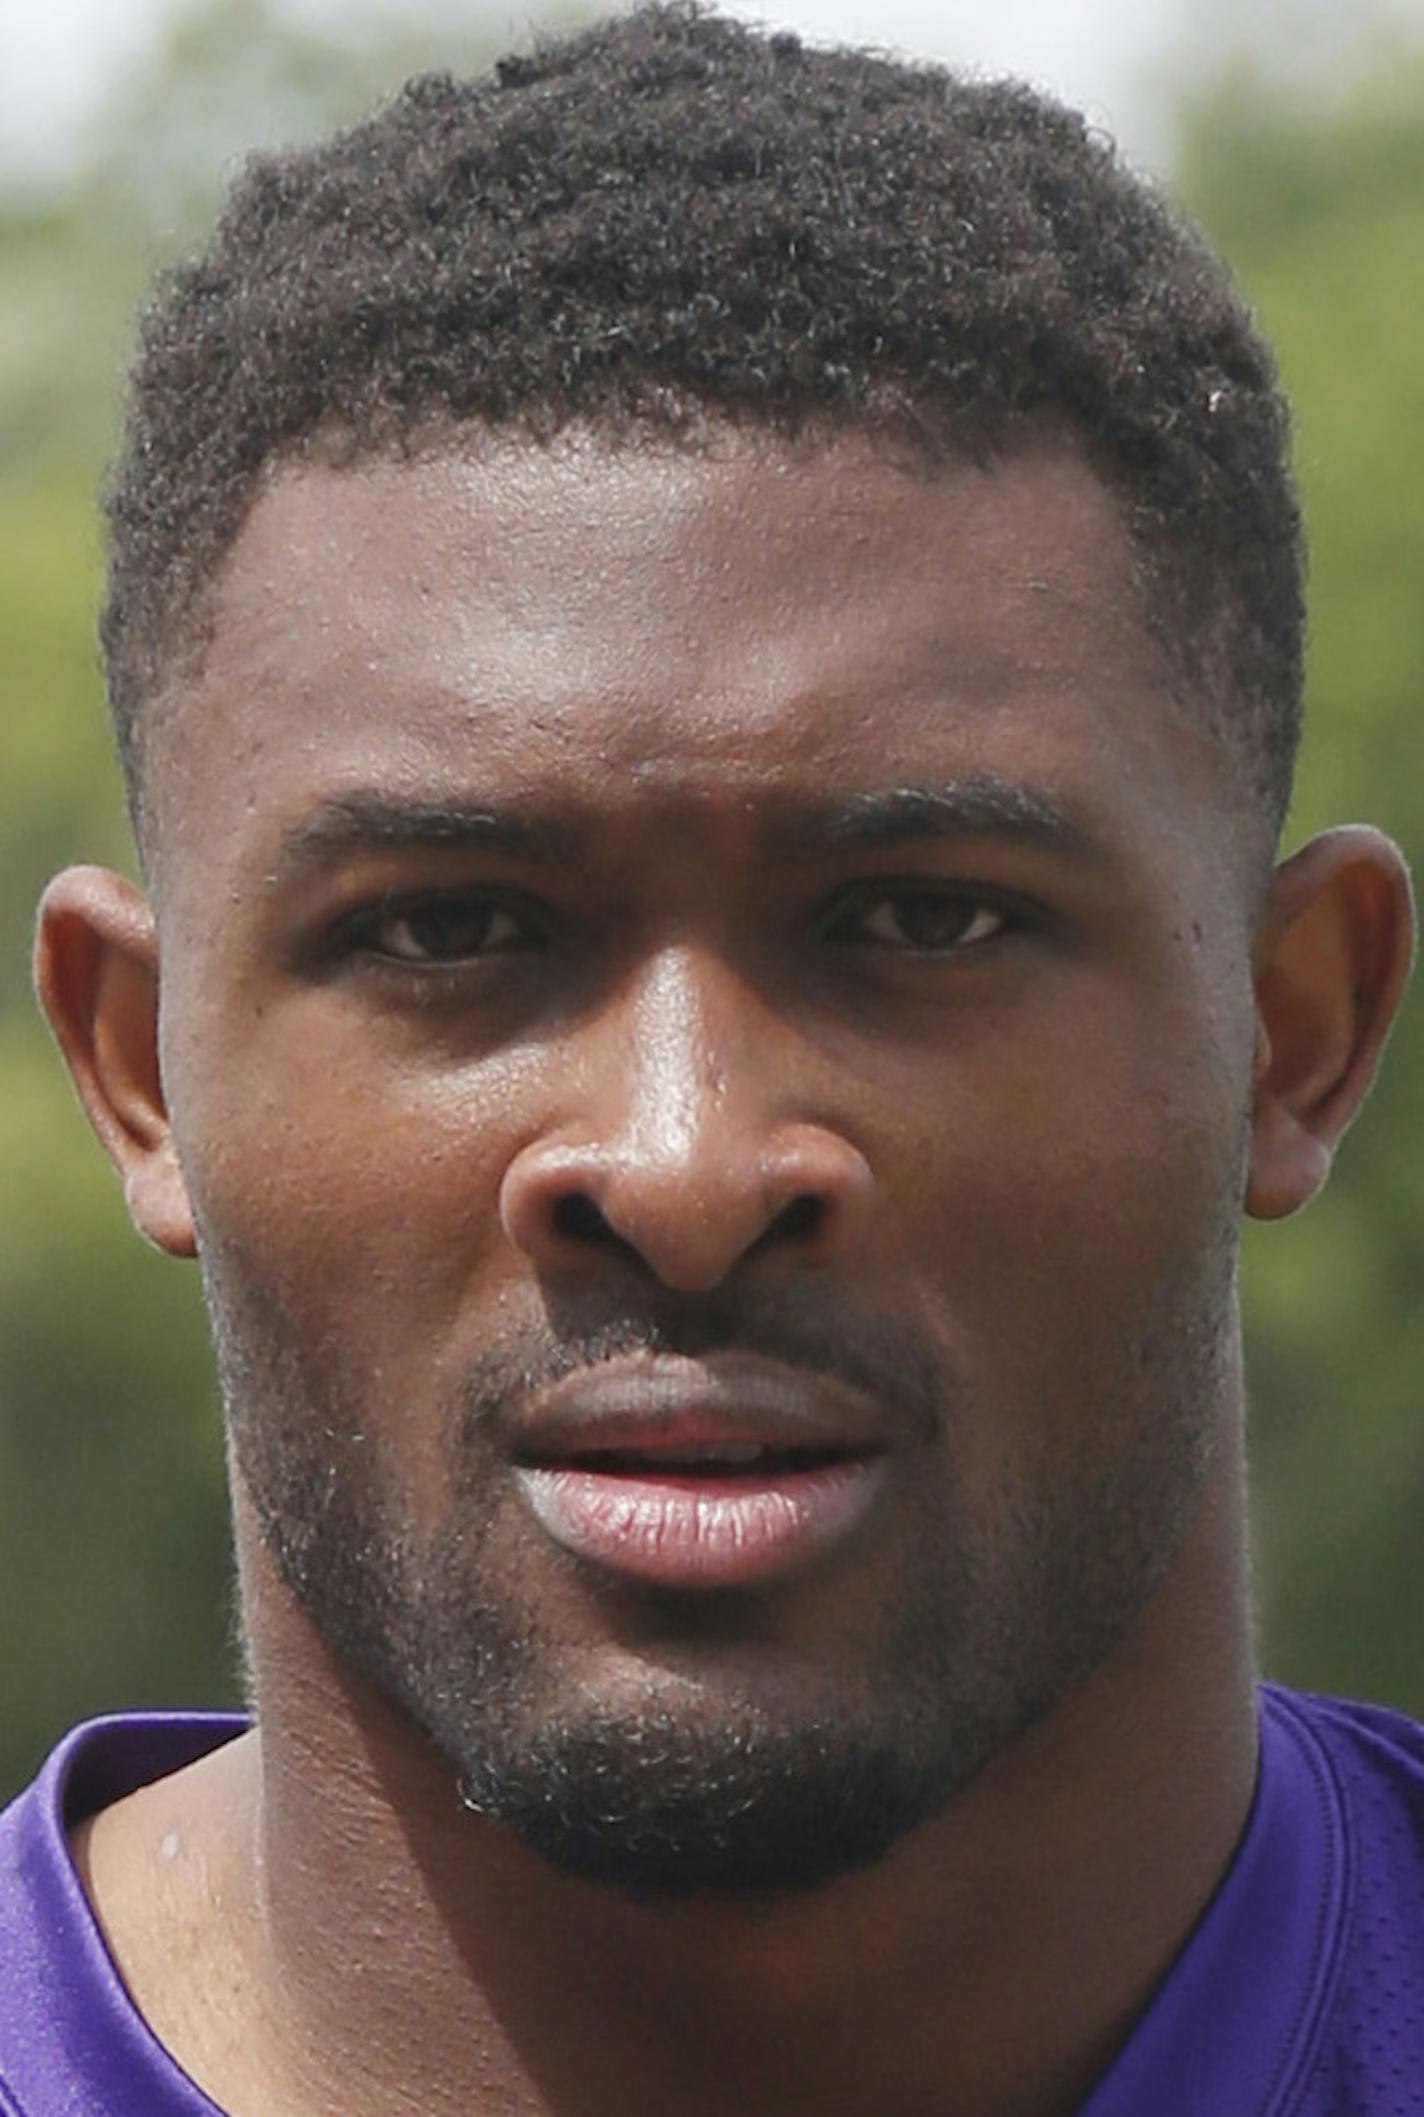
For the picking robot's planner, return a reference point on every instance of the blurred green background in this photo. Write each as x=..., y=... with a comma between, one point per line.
x=114, y=1575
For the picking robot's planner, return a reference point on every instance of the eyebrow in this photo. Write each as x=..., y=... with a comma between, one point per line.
x=982, y=805
x=362, y=822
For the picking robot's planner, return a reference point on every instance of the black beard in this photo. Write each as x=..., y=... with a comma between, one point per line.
x=758, y=1791
x=654, y=1809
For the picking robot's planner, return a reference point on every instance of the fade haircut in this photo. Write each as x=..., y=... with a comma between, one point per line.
x=670, y=215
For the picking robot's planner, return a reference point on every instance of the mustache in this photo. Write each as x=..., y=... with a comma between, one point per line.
x=886, y=1359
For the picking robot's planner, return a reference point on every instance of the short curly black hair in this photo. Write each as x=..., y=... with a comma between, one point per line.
x=668, y=214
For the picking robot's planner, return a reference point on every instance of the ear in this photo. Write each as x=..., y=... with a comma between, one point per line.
x=1332, y=957
x=96, y=972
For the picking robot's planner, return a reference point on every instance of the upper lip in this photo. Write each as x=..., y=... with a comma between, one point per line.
x=650, y=1401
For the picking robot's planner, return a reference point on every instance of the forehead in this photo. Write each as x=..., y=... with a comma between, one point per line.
x=600, y=622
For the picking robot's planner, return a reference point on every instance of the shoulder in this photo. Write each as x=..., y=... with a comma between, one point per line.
x=1376, y=1734
x=1374, y=1757
x=70, y=2035
x=1368, y=2055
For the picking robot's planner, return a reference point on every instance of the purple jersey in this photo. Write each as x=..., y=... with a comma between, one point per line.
x=1300, y=1992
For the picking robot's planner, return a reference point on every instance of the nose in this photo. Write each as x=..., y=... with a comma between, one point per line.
x=688, y=1154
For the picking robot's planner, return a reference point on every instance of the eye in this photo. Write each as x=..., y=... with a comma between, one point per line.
x=444, y=930
x=927, y=921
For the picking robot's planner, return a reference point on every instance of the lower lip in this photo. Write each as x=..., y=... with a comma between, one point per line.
x=680, y=1531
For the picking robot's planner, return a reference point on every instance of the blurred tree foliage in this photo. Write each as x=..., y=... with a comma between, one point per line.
x=113, y=1541
x=1316, y=194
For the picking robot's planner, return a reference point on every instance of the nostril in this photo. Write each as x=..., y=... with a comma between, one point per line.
x=798, y=1219
x=578, y=1219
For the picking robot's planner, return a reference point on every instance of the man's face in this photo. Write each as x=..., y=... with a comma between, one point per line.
x=694, y=951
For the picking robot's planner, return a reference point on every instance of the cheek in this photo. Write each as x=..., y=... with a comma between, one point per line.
x=368, y=1191
x=1081, y=1223
x=348, y=1229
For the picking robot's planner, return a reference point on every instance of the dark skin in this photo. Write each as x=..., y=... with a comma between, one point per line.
x=1033, y=1071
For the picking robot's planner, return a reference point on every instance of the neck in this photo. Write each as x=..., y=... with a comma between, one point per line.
x=991, y=1964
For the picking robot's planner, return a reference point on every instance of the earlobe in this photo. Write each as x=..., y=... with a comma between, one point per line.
x=1333, y=954
x=96, y=973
